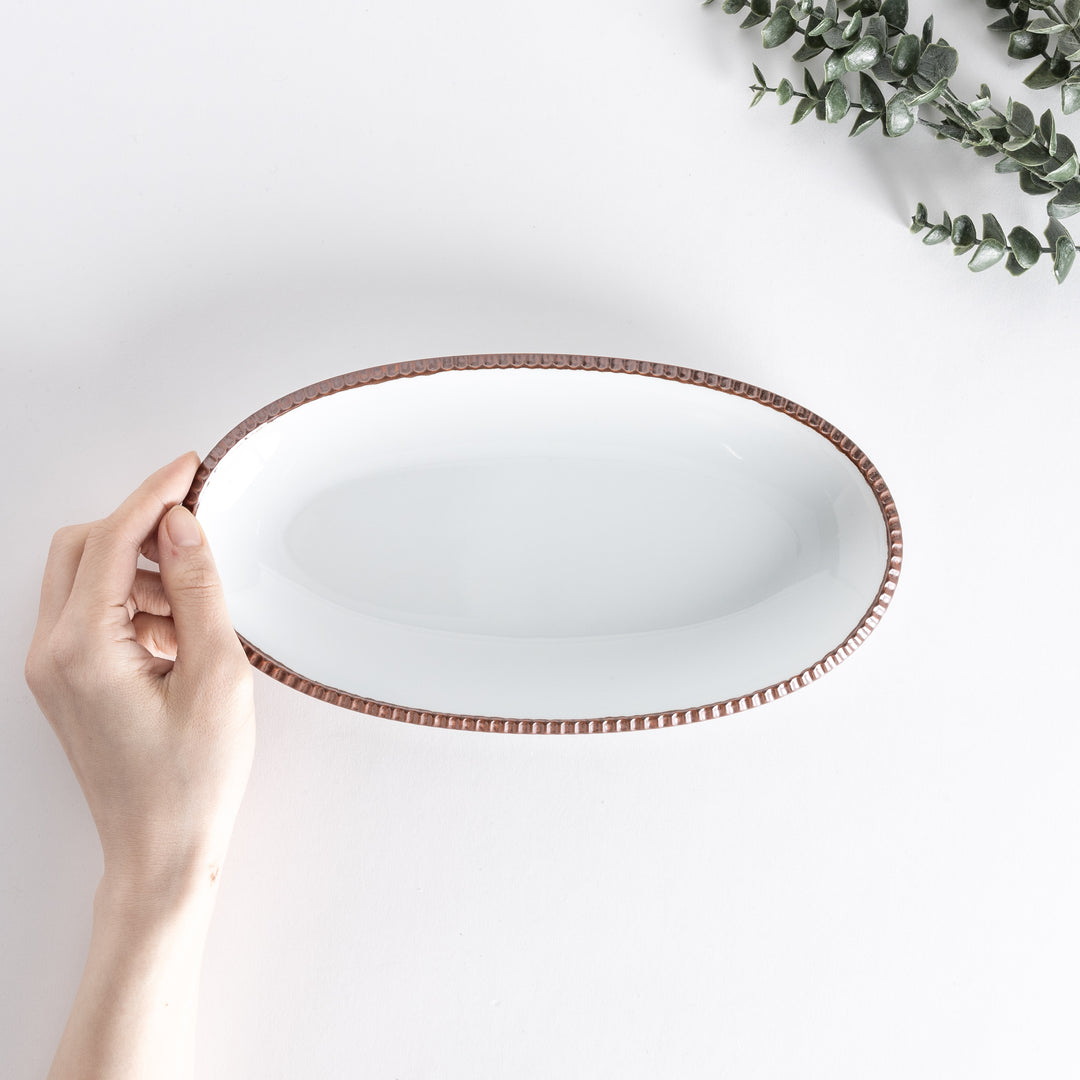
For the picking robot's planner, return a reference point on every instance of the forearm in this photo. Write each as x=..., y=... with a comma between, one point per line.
x=135, y=1009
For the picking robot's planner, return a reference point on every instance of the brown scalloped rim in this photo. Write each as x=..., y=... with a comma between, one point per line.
x=517, y=725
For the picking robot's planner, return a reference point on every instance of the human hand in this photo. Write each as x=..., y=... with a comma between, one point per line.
x=146, y=684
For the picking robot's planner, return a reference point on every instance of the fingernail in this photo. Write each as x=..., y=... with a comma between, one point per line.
x=183, y=529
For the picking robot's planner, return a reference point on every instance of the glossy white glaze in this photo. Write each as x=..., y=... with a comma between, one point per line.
x=543, y=543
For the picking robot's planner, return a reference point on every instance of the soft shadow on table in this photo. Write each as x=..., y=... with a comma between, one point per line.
x=224, y=348
x=200, y=355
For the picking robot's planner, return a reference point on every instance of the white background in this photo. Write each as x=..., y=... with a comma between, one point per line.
x=205, y=206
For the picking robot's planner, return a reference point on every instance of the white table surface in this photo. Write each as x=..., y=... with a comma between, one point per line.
x=204, y=207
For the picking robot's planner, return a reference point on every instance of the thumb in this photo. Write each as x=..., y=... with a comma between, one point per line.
x=204, y=632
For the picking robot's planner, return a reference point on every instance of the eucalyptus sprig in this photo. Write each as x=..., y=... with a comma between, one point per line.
x=898, y=73
x=1054, y=35
x=1021, y=246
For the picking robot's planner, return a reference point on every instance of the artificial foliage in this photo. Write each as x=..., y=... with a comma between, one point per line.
x=904, y=82
x=1048, y=31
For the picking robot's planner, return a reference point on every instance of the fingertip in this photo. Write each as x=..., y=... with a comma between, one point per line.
x=190, y=457
x=181, y=527
x=186, y=465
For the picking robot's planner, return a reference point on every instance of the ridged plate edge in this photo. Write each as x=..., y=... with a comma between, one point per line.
x=593, y=725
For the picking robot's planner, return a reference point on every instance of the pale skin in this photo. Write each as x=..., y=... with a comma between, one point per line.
x=147, y=687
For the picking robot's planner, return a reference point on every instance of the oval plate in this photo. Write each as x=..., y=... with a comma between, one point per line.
x=546, y=543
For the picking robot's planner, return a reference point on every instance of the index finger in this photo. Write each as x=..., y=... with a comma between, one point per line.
x=65, y=553
x=106, y=572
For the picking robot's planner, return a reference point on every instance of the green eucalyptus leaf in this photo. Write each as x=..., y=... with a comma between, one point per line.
x=834, y=66
x=895, y=13
x=751, y=20
x=1064, y=172
x=1054, y=231
x=854, y=28
x=919, y=218
x=882, y=70
x=1060, y=67
x=966, y=112
x=834, y=38
x=1066, y=202
x=1025, y=246
x=1068, y=45
x=821, y=27
x=992, y=229
x=964, y=233
x=1064, y=254
x=932, y=94
x=1014, y=266
x=899, y=115
x=863, y=121
x=807, y=51
x=1023, y=45
x=809, y=85
x=758, y=95
x=762, y=8
x=1031, y=155
x=1070, y=96
x=876, y=27
x=1018, y=143
x=804, y=108
x=1020, y=118
x=1033, y=184
x=837, y=102
x=757, y=75
x=731, y=7
x=1049, y=131
x=865, y=53
x=986, y=255
x=937, y=235
x=1048, y=127
x=927, y=32
x=1071, y=11
x=778, y=29
x=938, y=62
x=1007, y=23
x=784, y=91
x=1044, y=27
x=1043, y=77
x=870, y=96
x=1007, y=165
x=905, y=56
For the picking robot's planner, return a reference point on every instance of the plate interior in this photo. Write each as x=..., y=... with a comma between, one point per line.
x=543, y=543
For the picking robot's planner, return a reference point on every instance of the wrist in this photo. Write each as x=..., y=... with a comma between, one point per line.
x=146, y=893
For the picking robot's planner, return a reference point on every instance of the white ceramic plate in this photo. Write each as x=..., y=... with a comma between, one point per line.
x=546, y=543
